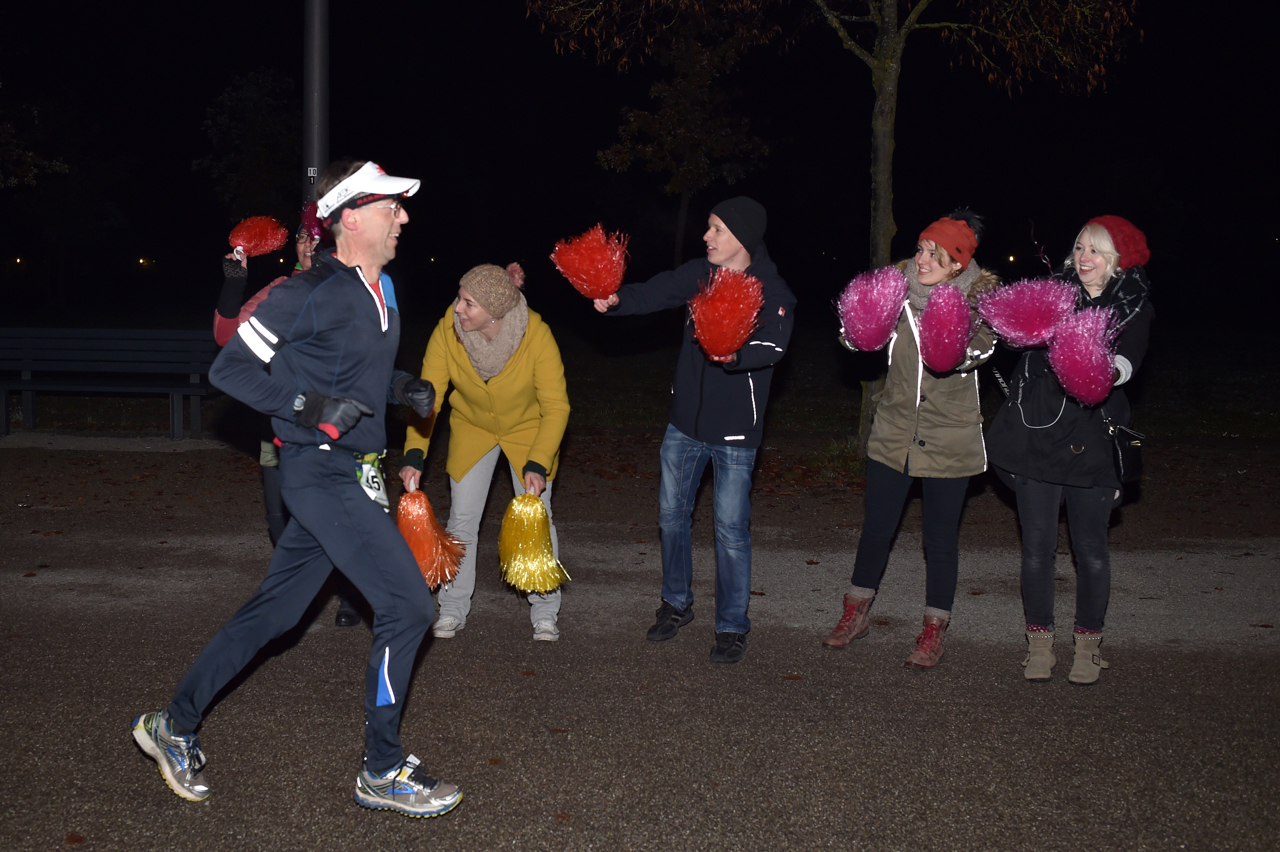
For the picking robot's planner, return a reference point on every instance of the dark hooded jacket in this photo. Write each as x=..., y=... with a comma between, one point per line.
x=712, y=402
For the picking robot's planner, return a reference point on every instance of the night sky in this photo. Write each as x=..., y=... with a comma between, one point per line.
x=472, y=99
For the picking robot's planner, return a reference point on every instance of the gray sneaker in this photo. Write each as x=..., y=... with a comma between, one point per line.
x=446, y=627
x=180, y=758
x=407, y=788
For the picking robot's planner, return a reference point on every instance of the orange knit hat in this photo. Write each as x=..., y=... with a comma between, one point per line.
x=955, y=236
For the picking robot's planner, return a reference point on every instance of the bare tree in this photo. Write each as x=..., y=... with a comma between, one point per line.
x=694, y=137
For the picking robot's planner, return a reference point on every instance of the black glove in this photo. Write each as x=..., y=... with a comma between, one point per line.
x=231, y=297
x=231, y=268
x=332, y=415
x=418, y=394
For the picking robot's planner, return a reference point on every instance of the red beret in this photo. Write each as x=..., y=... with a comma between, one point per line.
x=1128, y=240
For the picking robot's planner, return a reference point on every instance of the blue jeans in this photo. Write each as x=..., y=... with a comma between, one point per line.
x=683, y=462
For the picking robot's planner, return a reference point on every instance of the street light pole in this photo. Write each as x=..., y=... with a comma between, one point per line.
x=315, y=95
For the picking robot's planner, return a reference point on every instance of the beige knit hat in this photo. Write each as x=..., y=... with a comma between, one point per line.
x=495, y=289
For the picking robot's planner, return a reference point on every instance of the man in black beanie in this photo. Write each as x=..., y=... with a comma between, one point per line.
x=717, y=415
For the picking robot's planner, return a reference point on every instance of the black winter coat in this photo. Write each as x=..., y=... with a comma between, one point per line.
x=1045, y=435
x=712, y=402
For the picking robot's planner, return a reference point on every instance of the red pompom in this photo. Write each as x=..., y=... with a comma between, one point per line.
x=1080, y=355
x=869, y=307
x=725, y=311
x=1027, y=312
x=594, y=262
x=946, y=324
x=438, y=553
x=258, y=235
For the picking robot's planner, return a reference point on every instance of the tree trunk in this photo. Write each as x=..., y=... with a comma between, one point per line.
x=681, y=221
x=884, y=78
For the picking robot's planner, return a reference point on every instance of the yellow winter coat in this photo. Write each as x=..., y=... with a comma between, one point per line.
x=524, y=409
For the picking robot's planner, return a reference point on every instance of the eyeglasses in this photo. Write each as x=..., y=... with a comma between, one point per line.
x=395, y=207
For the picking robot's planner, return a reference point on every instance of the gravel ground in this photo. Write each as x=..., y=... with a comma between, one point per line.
x=124, y=555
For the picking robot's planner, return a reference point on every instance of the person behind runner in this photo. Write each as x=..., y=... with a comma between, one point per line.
x=228, y=317
x=927, y=426
x=717, y=415
x=1053, y=451
x=330, y=339
x=508, y=399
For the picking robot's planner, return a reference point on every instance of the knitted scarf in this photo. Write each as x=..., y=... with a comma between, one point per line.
x=490, y=356
x=919, y=293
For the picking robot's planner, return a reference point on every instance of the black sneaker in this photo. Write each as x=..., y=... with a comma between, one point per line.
x=669, y=622
x=729, y=647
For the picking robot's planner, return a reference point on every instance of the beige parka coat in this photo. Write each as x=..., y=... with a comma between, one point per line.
x=927, y=423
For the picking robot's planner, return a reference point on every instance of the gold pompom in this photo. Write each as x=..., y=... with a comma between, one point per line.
x=524, y=547
x=439, y=554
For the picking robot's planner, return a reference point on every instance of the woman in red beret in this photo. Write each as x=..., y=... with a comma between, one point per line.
x=1054, y=451
x=927, y=426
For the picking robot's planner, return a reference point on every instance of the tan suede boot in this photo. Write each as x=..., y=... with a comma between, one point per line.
x=1088, y=663
x=1040, y=658
x=853, y=624
x=929, y=643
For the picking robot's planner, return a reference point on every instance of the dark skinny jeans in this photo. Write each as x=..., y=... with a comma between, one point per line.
x=1088, y=517
x=885, y=499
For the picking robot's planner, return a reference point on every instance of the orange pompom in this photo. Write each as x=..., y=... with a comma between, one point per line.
x=593, y=262
x=438, y=553
x=258, y=235
x=724, y=313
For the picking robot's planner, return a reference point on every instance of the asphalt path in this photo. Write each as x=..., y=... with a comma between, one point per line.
x=119, y=563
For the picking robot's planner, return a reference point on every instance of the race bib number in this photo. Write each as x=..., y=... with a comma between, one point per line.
x=369, y=470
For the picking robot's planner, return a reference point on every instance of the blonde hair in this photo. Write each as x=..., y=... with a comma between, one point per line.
x=1102, y=244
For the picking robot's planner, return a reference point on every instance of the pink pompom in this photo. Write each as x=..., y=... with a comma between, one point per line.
x=1080, y=355
x=311, y=222
x=946, y=325
x=594, y=263
x=516, y=271
x=724, y=313
x=258, y=235
x=1026, y=313
x=869, y=307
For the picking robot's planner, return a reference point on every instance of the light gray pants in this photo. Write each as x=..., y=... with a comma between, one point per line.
x=467, y=507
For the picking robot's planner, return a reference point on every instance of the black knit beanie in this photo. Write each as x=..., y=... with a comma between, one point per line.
x=745, y=218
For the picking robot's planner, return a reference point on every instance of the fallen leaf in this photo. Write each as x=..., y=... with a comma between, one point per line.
x=29, y=574
x=74, y=838
x=527, y=672
x=495, y=761
x=562, y=817
x=757, y=594
x=812, y=562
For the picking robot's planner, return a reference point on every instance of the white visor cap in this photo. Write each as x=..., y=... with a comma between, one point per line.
x=369, y=179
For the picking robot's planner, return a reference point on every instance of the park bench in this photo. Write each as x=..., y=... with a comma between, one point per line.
x=106, y=361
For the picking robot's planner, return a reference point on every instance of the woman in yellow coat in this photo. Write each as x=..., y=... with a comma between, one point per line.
x=508, y=399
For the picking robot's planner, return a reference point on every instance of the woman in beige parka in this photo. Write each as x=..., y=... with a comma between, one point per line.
x=928, y=426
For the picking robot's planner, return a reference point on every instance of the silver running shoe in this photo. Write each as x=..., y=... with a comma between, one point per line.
x=408, y=789
x=180, y=758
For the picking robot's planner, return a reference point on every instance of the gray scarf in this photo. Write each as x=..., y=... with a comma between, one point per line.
x=919, y=293
x=490, y=356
